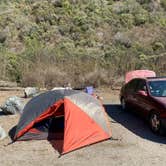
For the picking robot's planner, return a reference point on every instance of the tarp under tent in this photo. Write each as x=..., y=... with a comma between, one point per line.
x=69, y=119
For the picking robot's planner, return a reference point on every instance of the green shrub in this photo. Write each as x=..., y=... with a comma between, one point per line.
x=13, y=67
x=82, y=42
x=3, y=37
x=127, y=20
x=158, y=46
x=163, y=4
x=144, y=1
x=141, y=17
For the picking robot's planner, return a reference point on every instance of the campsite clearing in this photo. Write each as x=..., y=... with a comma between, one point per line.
x=133, y=143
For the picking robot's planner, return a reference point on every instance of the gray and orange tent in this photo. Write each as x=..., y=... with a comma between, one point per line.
x=69, y=119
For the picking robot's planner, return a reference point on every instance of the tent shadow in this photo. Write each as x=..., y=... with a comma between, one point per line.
x=56, y=133
x=56, y=140
x=2, y=114
x=57, y=145
x=133, y=123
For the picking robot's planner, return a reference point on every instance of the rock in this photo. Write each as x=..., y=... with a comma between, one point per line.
x=3, y=37
x=123, y=39
x=31, y=92
x=2, y=133
x=56, y=3
x=13, y=105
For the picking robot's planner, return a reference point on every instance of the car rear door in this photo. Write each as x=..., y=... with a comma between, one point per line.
x=129, y=92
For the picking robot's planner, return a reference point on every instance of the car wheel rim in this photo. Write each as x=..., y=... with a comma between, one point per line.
x=155, y=122
x=123, y=104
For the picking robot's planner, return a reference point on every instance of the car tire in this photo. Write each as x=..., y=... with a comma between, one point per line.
x=155, y=123
x=123, y=104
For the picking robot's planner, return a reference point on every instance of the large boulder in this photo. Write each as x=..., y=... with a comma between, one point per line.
x=2, y=133
x=123, y=39
x=31, y=92
x=13, y=105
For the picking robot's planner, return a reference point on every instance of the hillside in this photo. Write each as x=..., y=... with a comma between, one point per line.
x=52, y=42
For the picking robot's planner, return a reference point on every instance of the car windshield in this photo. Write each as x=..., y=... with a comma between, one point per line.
x=157, y=88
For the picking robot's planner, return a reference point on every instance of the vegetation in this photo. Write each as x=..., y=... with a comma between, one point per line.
x=49, y=43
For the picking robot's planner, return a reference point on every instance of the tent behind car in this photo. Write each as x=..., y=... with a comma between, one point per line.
x=69, y=119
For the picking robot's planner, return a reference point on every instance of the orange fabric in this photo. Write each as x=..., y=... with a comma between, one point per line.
x=49, y=112
x=34, y=130
x=80, y=129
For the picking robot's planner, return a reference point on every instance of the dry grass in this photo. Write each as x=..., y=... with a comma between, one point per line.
x=74, y=71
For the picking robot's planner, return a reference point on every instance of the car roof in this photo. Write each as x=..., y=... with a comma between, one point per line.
x=156, y=78
x=149, y=78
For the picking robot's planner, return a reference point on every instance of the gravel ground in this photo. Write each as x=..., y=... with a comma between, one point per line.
x=132, y=144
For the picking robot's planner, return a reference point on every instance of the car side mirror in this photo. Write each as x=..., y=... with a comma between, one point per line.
x=142, y=92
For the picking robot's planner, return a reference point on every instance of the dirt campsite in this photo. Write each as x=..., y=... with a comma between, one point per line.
x=59, y=44
x=132, y=142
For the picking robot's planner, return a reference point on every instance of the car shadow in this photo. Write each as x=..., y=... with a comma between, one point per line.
x=133, y=123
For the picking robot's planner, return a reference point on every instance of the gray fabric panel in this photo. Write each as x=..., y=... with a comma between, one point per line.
x=42, y=136
x=37, y=105
x=90, y=106
x=31, y=136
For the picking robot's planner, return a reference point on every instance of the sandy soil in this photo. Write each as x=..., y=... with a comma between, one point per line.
x=133, y=143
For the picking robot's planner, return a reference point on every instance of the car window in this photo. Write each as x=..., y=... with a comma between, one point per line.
x=157, y=88
x=132, y=85
x=141, y=85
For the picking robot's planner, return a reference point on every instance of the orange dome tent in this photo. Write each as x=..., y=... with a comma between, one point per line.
x=69, y=119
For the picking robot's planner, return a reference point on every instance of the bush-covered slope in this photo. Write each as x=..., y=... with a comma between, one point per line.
x=52, y=42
